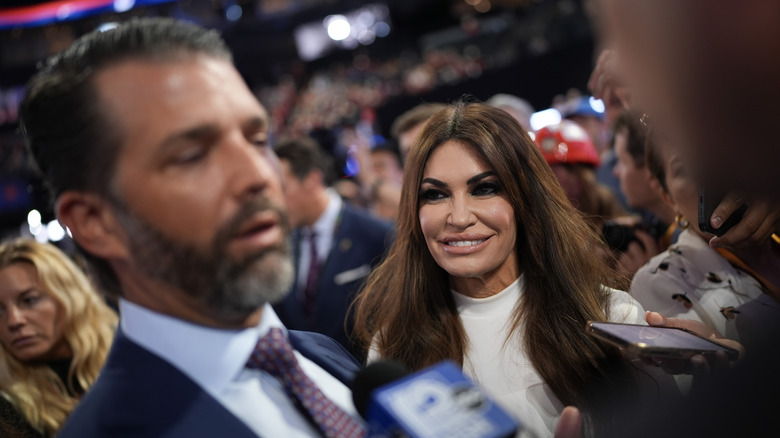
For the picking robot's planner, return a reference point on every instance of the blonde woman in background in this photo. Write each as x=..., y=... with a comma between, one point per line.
x=55, y=332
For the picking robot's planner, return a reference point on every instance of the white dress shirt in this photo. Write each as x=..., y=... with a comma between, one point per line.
x=215, y=360
x=325, y=229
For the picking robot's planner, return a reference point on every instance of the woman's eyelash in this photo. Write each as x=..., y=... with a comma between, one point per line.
x=431, y=194
x=481, y=189
x=31, y=299
x=486, y=188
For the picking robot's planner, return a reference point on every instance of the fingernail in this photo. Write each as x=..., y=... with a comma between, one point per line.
x=716, y=221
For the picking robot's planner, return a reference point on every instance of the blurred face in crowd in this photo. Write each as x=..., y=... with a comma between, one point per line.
x=197, y=187
x=635, y=181
x=386, y=166
x=32, y=322
x=349, y=191
x=570, y=181
x=467, y=221
x=707, y=71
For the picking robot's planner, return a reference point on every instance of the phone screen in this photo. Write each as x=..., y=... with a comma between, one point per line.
x=658, y=340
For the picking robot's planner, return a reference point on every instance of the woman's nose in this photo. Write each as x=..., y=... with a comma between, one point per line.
x=461, y=213
x=16, y=318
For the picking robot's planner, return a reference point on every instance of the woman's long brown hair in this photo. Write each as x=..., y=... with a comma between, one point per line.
x=407, y=312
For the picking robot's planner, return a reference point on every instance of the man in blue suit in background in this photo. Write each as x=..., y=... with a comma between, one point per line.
x=335, y=245
x=158, y=156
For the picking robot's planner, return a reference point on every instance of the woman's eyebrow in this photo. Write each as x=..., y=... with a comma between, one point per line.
x=480, y=177
x=470, y=181
x=435, y=182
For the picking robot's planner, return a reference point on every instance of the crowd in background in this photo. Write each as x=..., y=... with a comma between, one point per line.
x=340, y=94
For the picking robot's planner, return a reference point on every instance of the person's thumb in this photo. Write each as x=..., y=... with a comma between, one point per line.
x=570, y=423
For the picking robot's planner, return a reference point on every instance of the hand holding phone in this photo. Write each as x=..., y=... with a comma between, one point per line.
x=708, y=202
x=760, y=218
x=659, y=342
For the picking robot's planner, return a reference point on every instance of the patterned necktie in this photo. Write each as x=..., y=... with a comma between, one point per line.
x=274, y=355
x=310, y=293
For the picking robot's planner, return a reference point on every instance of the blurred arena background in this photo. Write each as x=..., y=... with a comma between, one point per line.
x=317, y=65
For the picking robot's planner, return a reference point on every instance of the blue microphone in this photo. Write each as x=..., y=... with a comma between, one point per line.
x=437, y=402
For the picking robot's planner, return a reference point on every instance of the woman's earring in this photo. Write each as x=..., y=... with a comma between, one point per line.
x=682, y=223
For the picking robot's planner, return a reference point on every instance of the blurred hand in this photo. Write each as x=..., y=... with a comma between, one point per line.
x=605, y=83
x=698, y=364
x=638, y=253
x=570, y=423
x=761, y=219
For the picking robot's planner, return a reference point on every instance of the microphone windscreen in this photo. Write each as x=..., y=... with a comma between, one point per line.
x=373, y=376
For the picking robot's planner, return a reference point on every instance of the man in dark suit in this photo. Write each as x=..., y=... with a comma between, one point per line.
x=158, y=156
x=335, y=245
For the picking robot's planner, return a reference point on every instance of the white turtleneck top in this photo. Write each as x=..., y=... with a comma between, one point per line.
x=504, y=369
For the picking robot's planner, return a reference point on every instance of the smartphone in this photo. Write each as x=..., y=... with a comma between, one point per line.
x=708, y=200
x=658, y=342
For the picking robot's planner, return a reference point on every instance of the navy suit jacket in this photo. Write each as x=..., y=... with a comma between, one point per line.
x=359, y=243
x=138, y=394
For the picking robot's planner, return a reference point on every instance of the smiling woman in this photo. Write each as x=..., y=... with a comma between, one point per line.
x=55, y=333
x=468, y=224
x=493, y=268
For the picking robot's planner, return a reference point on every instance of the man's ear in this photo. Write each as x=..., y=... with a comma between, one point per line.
x=314, y=179
x=93, y=223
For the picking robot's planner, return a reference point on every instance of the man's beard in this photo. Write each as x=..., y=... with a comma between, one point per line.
x=231, y=288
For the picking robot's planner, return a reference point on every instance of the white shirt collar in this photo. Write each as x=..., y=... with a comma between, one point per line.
x=210, y=357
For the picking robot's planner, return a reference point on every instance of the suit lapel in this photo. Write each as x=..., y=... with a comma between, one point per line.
x=163, y=399
x=341, y=244
x=326, y=353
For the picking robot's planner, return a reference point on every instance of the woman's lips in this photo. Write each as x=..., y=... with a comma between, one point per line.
x=463, y=246
x=463, y=243
x=23, y=341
